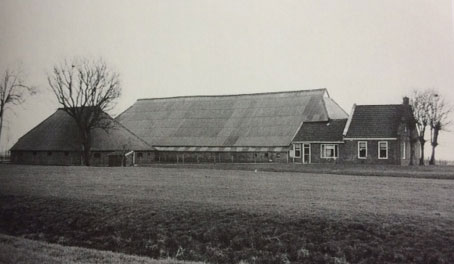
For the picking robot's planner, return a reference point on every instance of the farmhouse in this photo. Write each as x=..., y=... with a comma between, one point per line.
x=381, y=134
x=305, y=126
x=230, y=128
x=373, y=134
x=55, y=141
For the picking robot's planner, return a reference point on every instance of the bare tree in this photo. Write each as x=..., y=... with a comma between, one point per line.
x=438, y=120
x=86, y=89
x=421, y=106
x=13, y=91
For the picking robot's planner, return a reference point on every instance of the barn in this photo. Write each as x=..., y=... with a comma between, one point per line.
x=55, y=141
x=228, y=128
x=305, y=126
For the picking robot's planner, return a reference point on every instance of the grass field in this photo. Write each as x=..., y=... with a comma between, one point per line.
x=427, y=172
x=25, y=251
x=228, y=216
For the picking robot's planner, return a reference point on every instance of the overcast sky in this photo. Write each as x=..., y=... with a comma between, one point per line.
x=364, y=52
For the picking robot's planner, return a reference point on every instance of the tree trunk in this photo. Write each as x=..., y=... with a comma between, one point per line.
x=432, y=157
x=86, y=143
x=1, y=127
x=422, y=141
x=86, y=156
x=413, y=141
x=434, y=145
x=412, y=150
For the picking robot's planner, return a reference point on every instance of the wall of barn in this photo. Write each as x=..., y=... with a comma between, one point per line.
x=98, y=158
x=349, y=153
x=144, y=157
x=46, y=157
x=220, y=157
x=101, y=158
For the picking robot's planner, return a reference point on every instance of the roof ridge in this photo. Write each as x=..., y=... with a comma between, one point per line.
x=232, y=95
x=379, y=105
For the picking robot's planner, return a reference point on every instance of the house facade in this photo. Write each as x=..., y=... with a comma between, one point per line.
x=381, y=134
x=318, y=142
x=373, y=134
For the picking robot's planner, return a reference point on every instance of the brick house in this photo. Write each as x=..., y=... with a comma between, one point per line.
x=381, y=134
x=318, y=142
x=373, y=134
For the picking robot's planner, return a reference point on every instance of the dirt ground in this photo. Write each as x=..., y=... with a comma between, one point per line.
x=230, y=216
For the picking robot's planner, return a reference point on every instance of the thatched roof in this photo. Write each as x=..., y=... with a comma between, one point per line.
x=59, y=133
x=248, y=120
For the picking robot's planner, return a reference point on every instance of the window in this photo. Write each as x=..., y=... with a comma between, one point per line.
x=49, y=153
x=403, y=149
x=97, y=155
x=362, y=149
x=266, y=154
x=382, y=149
x=139, y=154
x=297, y=150
x=329, y=151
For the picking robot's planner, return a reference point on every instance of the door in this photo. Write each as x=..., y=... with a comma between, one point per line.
x=306, y=153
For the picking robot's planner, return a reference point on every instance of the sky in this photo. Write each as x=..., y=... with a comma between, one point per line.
x=363, y=52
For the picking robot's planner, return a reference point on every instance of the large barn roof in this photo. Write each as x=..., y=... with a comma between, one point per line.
x=260, y=120
x=59, y=133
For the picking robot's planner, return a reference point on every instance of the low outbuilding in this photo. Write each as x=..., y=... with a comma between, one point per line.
x=56, y=141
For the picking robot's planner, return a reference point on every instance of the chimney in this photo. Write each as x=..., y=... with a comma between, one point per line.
x=406, y=101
